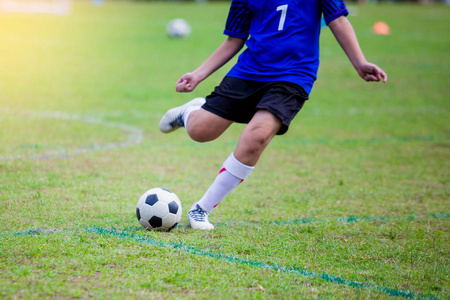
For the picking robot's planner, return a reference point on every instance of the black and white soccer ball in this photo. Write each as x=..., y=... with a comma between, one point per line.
x=159, y=209
x=178, y=28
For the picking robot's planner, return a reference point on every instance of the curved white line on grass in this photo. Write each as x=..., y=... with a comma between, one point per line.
x=134, y=134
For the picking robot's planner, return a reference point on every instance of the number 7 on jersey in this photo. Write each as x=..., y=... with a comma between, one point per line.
x=283, y=9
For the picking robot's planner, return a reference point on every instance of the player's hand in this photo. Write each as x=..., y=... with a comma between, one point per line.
x=187, y=83
x=370, y=72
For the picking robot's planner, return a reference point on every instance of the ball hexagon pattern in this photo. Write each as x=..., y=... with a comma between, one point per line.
x=159, y=209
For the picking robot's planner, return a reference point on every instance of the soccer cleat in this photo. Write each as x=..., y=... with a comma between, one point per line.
x=198, y=218
x=173, y=118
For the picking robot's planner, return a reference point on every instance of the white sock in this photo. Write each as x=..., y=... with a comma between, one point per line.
x=188, y=112
x=233, y=172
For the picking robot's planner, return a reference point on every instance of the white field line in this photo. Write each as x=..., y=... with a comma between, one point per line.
x=134, y=134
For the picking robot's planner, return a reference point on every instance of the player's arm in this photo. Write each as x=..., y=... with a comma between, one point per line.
x=226, y=51
x=345, y=35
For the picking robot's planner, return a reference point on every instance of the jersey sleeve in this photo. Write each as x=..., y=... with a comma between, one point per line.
x=239, y=19
x=333, y=9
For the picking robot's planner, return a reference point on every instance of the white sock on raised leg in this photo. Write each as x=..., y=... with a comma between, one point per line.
x=188, y=112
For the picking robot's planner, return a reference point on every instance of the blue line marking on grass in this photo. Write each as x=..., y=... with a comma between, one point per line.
x=345, y=220
x=131, y=235
x=124, y=234
x=258, y=264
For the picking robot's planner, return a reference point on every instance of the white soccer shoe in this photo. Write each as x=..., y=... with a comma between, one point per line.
x=198, y=218
x=173, y=118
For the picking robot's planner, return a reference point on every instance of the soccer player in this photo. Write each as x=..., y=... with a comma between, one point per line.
x=266, y=88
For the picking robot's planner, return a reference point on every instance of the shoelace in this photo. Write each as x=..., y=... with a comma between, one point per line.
x=178, y=122
x=199, y=215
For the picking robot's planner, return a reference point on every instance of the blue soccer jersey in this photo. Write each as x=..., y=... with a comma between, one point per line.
x=284, y=38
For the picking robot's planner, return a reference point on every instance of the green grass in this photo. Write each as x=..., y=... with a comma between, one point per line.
x=353, y=202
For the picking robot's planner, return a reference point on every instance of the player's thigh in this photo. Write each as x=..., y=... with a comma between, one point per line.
x=204, y=126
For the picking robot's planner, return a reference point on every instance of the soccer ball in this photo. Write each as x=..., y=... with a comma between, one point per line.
x=159, y=209
x=178, y=28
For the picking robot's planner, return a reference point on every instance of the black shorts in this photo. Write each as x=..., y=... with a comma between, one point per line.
x=238, y=100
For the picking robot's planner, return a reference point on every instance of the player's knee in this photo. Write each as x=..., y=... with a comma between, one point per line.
x=206, y=128
x=257, y=139
x=201, y=134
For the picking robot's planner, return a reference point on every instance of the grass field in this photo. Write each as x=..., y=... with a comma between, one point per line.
x=353, y=202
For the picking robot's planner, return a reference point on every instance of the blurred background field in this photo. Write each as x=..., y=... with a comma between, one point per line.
x=356, y=192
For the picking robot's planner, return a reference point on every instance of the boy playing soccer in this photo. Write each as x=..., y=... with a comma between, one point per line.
x=266, y=88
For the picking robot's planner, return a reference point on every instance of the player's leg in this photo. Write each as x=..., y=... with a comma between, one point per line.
x=203, y=125
x=254, y=139
x=256, y=136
